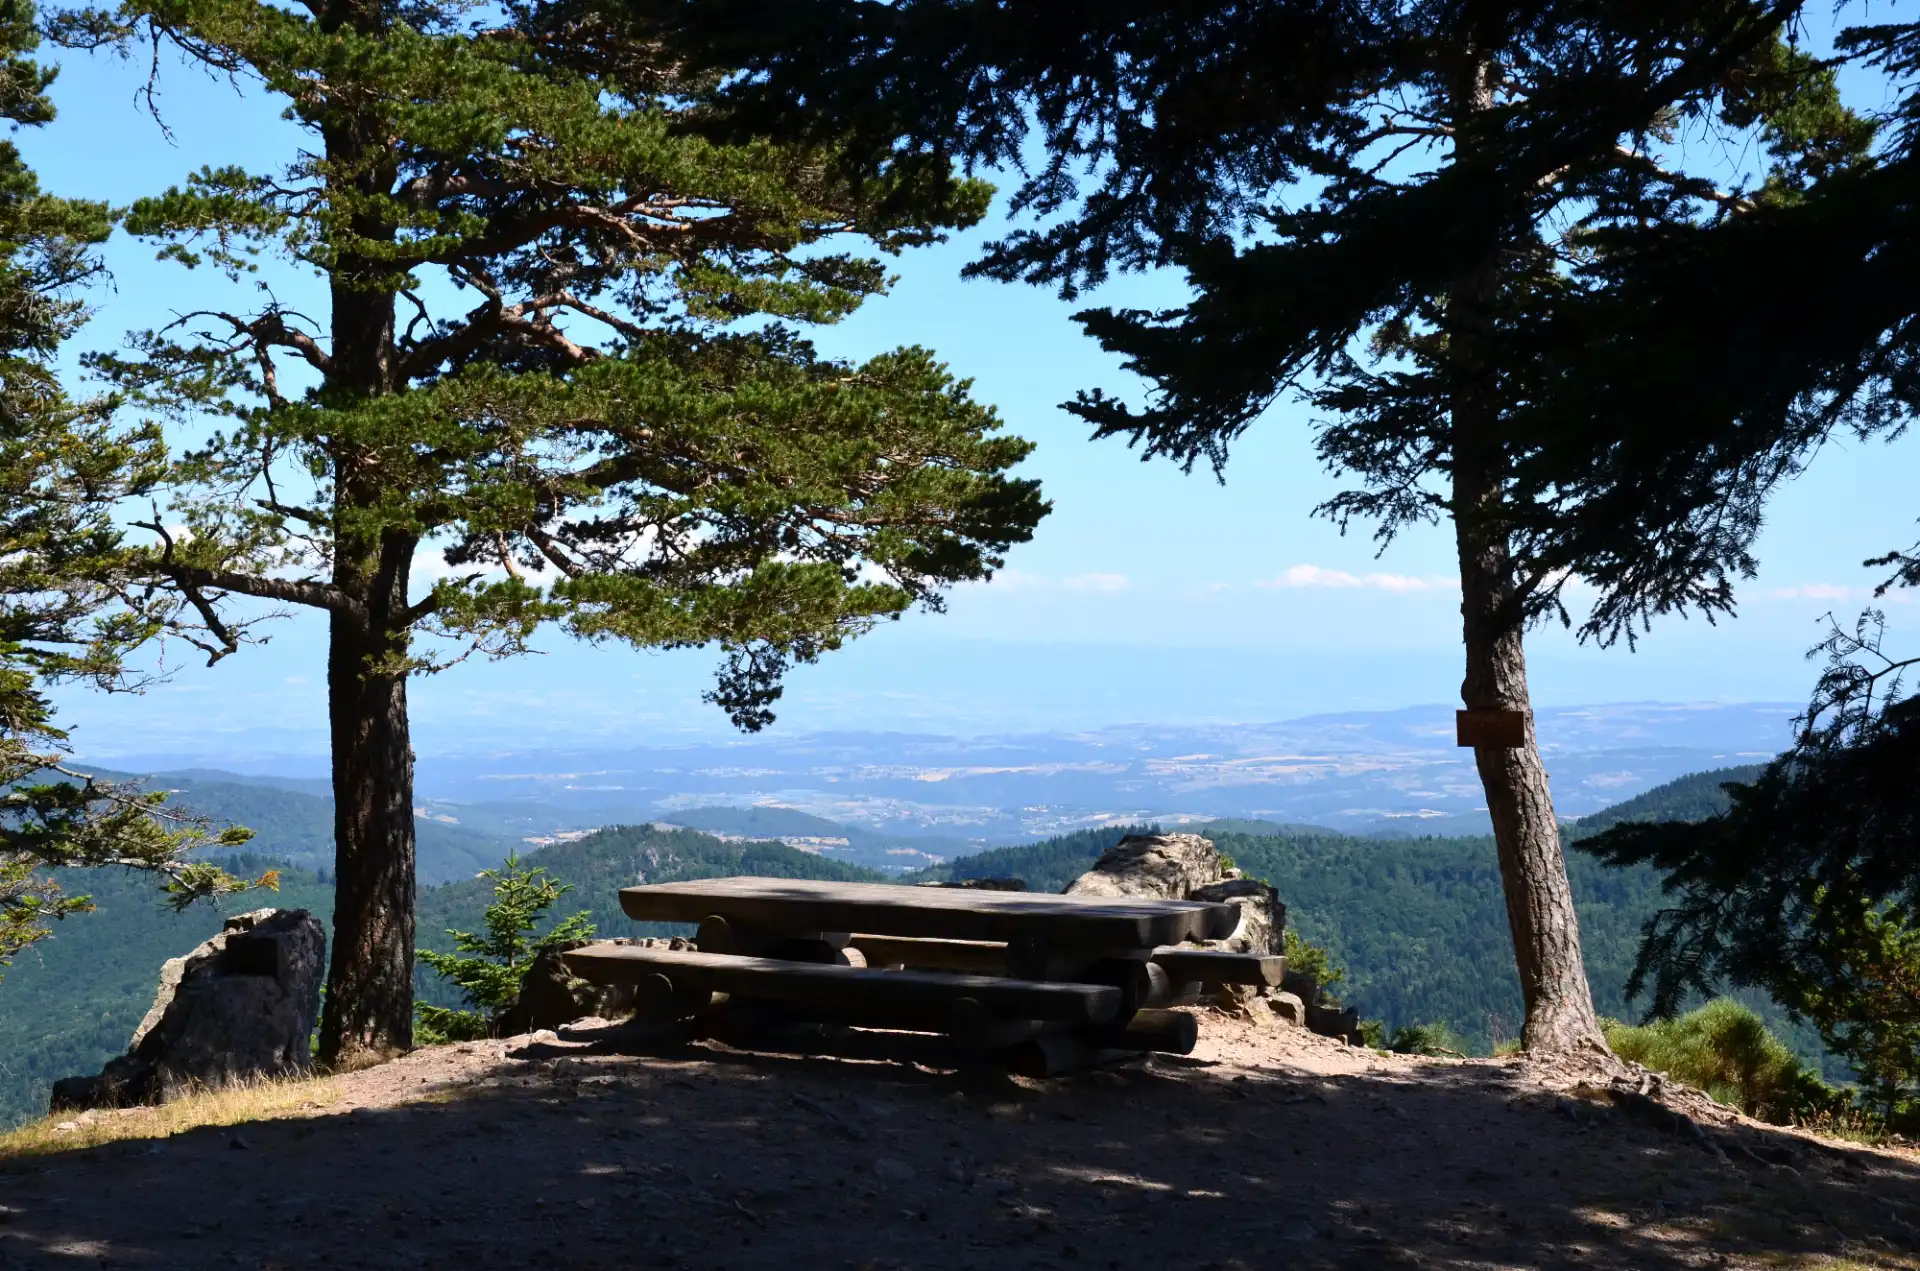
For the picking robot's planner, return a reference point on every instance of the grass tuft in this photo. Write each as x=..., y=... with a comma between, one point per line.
x=230, y=1105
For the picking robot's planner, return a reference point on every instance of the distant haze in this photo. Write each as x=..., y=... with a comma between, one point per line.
x=1355, y=771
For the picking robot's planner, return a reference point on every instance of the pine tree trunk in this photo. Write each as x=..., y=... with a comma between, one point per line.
x=1533, y=869
x=369, y=1007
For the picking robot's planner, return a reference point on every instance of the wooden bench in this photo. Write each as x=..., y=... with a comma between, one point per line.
x=1214, y=967
x=924, y=997
x=793, y=905
x=1043, y=983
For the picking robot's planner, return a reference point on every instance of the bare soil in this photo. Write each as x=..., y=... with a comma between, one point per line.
x=1267, y=1149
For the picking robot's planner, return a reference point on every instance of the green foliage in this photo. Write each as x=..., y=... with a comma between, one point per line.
x=67, y=611
x=1864, y=997
x=1725, y=1049
x=1425, y=1039
x=489, y=968
x=679, y=478
x=1808, y=885
x=1313, y=960
x=1412, y=229
x=562, y=348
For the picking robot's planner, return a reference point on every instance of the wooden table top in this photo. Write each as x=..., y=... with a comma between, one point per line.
x=951, y=913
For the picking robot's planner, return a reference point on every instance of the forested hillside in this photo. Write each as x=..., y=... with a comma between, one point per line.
x=69, y=1003
x=1694, y=797
x=1418, y=922
x=297, y=828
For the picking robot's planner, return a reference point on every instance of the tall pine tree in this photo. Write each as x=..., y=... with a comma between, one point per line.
x=63, y=466
x=557, y=347
x=1372, y=203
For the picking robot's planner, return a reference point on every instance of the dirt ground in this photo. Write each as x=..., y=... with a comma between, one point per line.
x=1267, y=1149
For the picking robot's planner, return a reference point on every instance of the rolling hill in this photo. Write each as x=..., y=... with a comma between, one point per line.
x=1418, y=922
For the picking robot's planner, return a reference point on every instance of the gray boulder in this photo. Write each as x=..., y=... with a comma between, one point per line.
x=1162, y=866
x=550, y=997
x=1263, y=919
x=1288, y=1008
x=1336, y=1021
x=239, y=1008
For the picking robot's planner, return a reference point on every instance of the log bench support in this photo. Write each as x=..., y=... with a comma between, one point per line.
x=1043, y=1027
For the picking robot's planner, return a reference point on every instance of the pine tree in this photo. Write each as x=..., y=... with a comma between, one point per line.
x=1721, y=357
x=559, y=348
x=489, y=968
x=1373, y=204
x=62, y=467
x=1809, y=885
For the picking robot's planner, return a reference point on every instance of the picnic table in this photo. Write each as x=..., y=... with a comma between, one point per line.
x=1046, y=983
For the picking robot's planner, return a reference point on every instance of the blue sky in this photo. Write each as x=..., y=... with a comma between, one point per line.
x=1148, y=594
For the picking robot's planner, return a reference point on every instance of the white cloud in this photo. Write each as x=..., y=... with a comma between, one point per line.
x=1016, y=580
x=1105, y=583
x=1815, y=591
x=1315, y=576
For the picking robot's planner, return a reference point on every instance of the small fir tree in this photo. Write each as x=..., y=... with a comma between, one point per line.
x=489, y=968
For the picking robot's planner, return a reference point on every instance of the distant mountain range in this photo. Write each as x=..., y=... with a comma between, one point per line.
x=1382, y=772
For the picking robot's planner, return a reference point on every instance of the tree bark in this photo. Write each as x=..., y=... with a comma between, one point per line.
x=368, y=1016
x=1533, y=870
x=369, y=1007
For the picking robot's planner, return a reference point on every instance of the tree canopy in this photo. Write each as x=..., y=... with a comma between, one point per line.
x=63, y=464
x=1373, y=206
x=1760, y=338
x=561, y=351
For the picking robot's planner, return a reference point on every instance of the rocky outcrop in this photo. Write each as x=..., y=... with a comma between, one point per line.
x=1189, y=867
x=1263, y=919
x=239, y=1008
x=551, y=998
x=1165, y=866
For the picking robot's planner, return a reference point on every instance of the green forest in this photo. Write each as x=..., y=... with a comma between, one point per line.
x=1417, y=923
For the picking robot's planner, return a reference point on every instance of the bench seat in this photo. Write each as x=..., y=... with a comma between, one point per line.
x=903, y=999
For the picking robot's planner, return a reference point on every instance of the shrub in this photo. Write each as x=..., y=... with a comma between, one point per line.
x=1426, y=1039
x=489, y=969
x=1313, y=960
x=1725, y=1049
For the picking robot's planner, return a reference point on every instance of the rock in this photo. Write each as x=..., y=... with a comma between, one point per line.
x=550, y=997
x=241, y=1007
x=1166, y=866
x=1263, y=918
x=895, y=1171
x=1301, y=985
x=1288, y=1008
x=1335, y=1022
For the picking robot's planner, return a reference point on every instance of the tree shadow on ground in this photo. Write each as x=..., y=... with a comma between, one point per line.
x=617, y=1151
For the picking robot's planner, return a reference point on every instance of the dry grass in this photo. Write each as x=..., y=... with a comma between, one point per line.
x=232, y=1105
